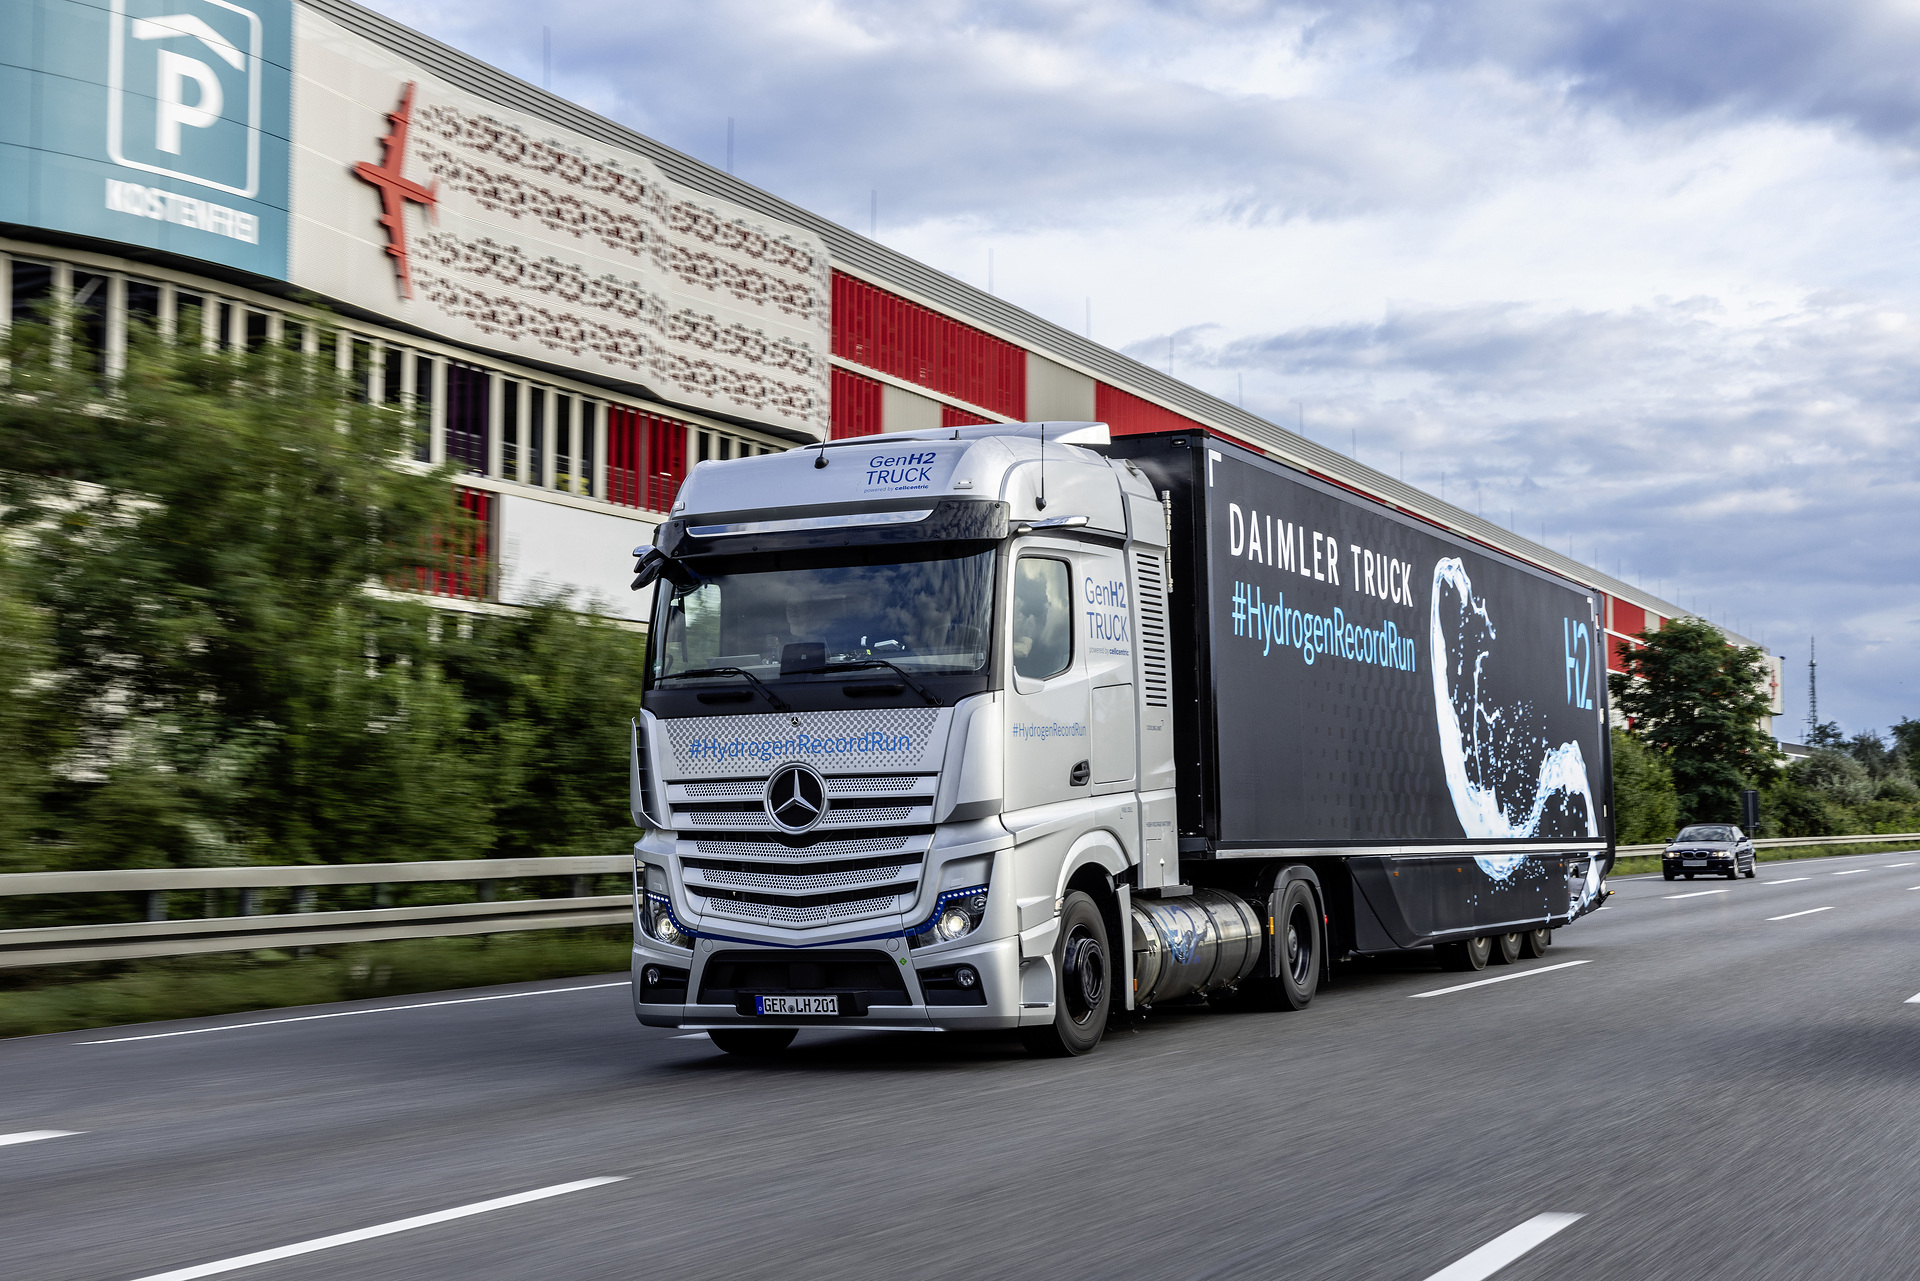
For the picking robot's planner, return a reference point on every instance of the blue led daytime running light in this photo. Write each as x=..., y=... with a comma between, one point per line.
x=921, y=928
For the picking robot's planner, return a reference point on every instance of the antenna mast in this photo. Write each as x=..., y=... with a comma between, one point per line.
x=1813, y=691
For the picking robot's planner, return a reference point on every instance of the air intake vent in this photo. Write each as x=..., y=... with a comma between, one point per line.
x=1149, y=572
x=642, y=777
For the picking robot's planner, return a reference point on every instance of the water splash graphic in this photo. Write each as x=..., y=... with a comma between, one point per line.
x=1506, y=781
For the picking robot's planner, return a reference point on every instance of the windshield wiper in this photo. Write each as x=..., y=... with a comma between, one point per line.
x=772, y=697
x=918, y=688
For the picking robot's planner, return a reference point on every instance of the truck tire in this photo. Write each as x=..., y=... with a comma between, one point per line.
x=1464, y=954
x=754, y=1042
x=1506, y=948
x=1082, y=960
x=1297, y=938
x=1536, y=942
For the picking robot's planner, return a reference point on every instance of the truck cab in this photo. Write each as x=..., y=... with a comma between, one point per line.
x=905, y=746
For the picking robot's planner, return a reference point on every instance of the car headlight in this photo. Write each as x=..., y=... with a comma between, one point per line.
x=956, y=914
x=657, y=923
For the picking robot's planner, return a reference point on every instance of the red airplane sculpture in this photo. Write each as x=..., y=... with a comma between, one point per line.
x=395, y=190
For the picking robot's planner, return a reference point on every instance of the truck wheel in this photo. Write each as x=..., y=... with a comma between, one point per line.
x=1086, y=987
x=1536, y=942
x=1466, y=954
x=1297, y=936
x=1506, y=948
x=754, y=1042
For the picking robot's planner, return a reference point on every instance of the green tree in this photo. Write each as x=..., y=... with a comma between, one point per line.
x=200, y=537
x=29, y=726
x=1699, y=701
x=1646, y=808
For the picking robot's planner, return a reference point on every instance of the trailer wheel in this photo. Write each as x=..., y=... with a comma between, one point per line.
x=1464, y=954
x=754, y=1042
x=1506, y=948
x=1536, y=942
x=1080, y=958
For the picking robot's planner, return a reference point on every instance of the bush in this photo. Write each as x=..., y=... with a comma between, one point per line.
x=1646, y=808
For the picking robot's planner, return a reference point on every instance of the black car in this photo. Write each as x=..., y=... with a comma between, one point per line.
x=1719, y=849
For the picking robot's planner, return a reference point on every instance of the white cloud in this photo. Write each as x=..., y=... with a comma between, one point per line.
x=1634, y=270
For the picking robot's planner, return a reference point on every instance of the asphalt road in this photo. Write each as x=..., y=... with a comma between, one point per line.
x=1715, y=1092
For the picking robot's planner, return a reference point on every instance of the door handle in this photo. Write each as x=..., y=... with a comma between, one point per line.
x=1081, y=776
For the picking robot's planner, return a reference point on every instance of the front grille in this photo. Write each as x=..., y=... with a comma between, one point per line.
x=737, y=863
x=792, y=877
x=823, y=909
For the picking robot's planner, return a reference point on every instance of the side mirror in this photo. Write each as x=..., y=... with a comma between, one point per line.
x=647, y=568
x=654, y=564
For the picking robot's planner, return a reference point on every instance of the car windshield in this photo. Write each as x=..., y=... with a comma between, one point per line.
x=1708, y=832
x=922, y=613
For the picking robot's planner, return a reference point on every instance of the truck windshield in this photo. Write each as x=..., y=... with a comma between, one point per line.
x=923, y=613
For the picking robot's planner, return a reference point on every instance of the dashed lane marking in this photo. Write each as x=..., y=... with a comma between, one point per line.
x=1786, y=880
x=1914, y=999
x=1693, y=894
x=348, y=1014
x=1503, y=978
x=1790, y=915
x=691, y=1036
x=1506, y=1247
x=1852, y=871
x=1894, y=865
x=34, y=1136
x=378, y=1230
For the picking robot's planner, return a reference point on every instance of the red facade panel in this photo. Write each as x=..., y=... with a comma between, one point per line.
x=856, y=405
x=1126, y=414
x=951, y=417
x=646, y=458
x=459, y=553
x=918, y=345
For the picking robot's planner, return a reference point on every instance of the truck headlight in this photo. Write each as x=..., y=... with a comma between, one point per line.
x=657, y=922
x=957, y=914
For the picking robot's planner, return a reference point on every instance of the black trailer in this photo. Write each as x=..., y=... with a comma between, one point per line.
x=1417, y=717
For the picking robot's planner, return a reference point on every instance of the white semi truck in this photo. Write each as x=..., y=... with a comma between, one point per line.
x=1020, y=727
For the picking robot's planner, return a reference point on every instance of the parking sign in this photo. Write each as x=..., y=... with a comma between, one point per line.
x=183, y=85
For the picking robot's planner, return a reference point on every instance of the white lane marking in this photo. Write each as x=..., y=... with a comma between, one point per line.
x=690, y=1036
x=1694, y=894
x=34, y=1136
x=347, y=1014
x=1442, y=991
x=1786, y=880
x=1853, y=871
x=378, y=1230
x=1505, y=1248
x=1912, y=1000
x=1892, y=865
x=1790, y=915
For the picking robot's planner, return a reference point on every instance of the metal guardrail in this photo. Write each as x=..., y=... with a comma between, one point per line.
x=1781, y=842
x=158, y=936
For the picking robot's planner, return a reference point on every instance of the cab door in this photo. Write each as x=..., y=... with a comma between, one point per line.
x=1049, y=755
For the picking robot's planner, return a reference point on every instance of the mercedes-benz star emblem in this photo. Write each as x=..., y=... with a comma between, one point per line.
x=796, y=798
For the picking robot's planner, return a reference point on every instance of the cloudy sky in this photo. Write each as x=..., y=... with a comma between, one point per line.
x=1633, y=276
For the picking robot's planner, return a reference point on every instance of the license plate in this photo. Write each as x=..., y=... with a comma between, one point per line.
x=1693, y=862
x=796, y=1004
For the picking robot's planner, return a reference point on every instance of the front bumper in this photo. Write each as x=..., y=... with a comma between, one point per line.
x=1698, y=862
x=996, y=961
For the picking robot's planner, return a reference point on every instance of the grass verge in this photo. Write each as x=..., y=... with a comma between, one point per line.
x=1651, y=862
x=32, y=1002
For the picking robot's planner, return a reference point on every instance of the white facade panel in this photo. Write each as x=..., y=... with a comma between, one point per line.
x=525, y=238
x=548, y=547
